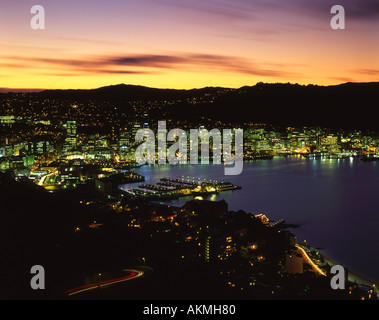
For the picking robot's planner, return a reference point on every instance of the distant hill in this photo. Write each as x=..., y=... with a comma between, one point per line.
x=9, y=90
x=123, y=92
x=345, y=106
x=349, y=105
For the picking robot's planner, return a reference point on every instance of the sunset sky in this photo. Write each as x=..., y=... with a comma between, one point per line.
x=186, y=43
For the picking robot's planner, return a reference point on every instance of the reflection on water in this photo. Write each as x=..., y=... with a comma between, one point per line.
x=333, y=201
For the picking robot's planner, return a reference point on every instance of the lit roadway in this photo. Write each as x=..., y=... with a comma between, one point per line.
x=132, y=275
x=42, y=180
x=309, y=260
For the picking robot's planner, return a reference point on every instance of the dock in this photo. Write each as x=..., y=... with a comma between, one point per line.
x=173, y=188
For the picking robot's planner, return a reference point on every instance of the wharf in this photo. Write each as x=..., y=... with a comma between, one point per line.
x=173, y=188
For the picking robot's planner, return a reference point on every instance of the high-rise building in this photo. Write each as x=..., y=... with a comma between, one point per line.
x=218, y=247
x=71, y=128
x=29, y=160
x=329, y=143
x=124, y=146
x=207, y=255
x=70, y=141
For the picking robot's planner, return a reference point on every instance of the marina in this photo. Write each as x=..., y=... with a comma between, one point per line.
x=173, y=188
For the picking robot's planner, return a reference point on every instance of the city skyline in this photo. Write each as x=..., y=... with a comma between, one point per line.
x=189, y=150
x=186, y=44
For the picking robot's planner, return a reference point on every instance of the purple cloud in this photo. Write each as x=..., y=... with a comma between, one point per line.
x=150, y=64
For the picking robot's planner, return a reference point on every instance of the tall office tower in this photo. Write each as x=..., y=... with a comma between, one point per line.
x=71, y=128
x=70, y=141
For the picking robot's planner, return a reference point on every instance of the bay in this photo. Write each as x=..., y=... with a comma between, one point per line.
x=334, y=202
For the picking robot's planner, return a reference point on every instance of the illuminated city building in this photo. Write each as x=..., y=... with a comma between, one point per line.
x=29, y=160
x=218, y=247
x=329, y=143
x=71, y=128
x=71, y=136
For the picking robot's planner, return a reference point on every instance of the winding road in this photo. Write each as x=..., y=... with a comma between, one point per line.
x=132, y=274
x=315, y=267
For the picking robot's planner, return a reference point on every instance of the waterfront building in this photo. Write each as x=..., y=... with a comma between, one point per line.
x=207, y=207
x=329, y=143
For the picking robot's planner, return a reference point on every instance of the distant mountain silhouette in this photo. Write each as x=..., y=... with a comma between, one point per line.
x=349, y=105
x=123, y=92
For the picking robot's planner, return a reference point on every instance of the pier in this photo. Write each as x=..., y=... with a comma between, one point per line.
x=172, y=188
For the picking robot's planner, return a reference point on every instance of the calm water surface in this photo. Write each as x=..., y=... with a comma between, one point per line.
x=335, y=202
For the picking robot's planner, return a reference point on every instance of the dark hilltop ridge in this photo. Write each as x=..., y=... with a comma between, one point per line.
x=344, y=106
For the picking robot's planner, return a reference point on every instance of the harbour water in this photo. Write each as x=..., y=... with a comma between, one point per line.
x=334, y=202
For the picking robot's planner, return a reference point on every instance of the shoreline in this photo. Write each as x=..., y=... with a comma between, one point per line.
x=352, y=276
x=362, y=283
